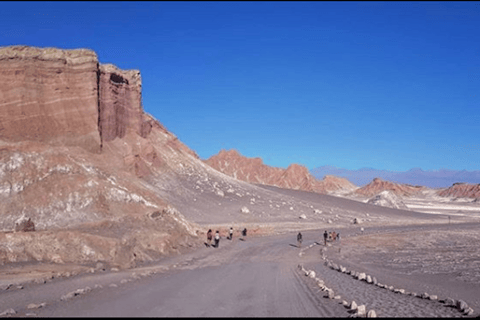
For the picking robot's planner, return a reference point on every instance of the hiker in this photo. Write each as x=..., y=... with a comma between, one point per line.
x=244, y=232
x=231, y=233
x=209, y=237
x=325, y=236
x=338, y=237
x=299, y=240
x=217, y=239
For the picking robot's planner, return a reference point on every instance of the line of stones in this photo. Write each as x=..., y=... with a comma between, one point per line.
x=460, y=305
x=70, y=295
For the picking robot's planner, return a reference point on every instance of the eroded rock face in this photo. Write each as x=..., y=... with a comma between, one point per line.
x=253, y=170
x=49, y=95
x=119, y=102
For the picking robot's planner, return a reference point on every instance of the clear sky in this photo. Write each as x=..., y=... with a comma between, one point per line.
x=386, y=85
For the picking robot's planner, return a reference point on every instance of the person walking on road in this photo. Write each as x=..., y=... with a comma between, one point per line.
x=209, y=237
x=325, y=236
x=217, y=239
x=231, y=233
x=299, y=240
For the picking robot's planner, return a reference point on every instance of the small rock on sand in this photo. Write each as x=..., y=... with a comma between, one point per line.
x=462, y=305
x=361, y=310
x=8, y=312
x=371, y=314
x=353, y=305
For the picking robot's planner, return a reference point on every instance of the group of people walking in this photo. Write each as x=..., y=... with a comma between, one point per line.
x=217, y=236
x=326, y=236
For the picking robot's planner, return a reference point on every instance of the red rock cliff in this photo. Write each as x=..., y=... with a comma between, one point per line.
x=49, y=95
x=66, y=97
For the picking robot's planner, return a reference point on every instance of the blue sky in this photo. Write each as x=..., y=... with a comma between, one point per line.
x=385, y=85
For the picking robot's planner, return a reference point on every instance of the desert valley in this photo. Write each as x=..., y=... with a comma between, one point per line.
x=104, y=210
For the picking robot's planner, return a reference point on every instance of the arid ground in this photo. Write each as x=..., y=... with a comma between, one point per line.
x=264, y=273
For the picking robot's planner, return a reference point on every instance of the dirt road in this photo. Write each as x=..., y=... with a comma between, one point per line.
x=256, y=277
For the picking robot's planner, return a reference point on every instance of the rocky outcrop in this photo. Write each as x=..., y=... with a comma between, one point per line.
x=78, y=153
x=253, y=170
x=378, y=185
x=388, y=199
x=461, y=190
x=65, y=97
x=49, y=95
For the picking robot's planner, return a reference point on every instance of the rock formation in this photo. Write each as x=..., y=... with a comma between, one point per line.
x=80, y=161
x=253, y=170
x=388, y=199
x=378, y=185
x=461, y=190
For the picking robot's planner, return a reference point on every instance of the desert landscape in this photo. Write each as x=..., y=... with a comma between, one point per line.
x=105, y=213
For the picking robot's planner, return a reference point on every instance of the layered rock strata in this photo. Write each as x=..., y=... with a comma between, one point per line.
x=49, y=95
x=65, y=97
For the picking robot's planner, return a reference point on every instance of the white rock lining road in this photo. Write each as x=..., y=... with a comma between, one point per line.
x=359, y=310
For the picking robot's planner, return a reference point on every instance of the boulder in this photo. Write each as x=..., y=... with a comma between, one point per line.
x=362, y=276
x=369, y=279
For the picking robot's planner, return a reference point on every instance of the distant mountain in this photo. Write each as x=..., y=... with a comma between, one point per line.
x=442, y=178
x=398, y=189
x=253, y=170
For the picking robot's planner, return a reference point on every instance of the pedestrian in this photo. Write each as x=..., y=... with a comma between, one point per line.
x=209, y=237
x=325, y=236
x=299, y=240
x=231, y=233
x=338, y=237
x=244, y=232
x=217, y=239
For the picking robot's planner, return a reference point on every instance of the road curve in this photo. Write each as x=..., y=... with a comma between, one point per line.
x=258, y=277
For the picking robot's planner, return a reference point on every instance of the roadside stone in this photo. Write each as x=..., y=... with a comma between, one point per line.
x=361, y=310
x=369, y=279
x=362, y=276
x=114, y=269
x=449, y=302
x=36, y=306
x=462, y=305
x=371, y=314
x=425, y=295
x=337, y=297
x=353, y=305
x=468, y=312
x=67, y=296
x=433, y=297
x=345, y=303
x=112, y=285
x=374, y=281
x=7, y=312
